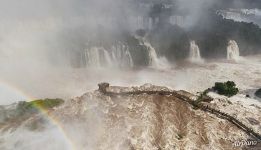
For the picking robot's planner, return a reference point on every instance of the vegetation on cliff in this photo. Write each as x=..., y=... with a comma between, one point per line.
x=22, y=110
x=213, y=32
x=172, y=41
x=223, y=88
x=42, y=104
x=209, y=29
x=227, y=88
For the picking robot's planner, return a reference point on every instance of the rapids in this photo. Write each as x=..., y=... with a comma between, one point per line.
x=67, y=83
x=149, y=122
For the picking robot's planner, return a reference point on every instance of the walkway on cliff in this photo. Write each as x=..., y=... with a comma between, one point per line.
x=103, y=89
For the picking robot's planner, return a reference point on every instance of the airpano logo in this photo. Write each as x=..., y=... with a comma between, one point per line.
x=245, y=143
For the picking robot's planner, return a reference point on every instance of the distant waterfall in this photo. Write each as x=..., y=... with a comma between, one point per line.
x=118, y=56
x=194, y=54
x=233, y=51
x=154, y=60
x=97, y=57
x=121, y=56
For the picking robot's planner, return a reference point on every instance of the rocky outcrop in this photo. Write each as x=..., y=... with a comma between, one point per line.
x=258, y=93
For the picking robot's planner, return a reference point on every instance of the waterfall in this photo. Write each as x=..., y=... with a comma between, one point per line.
x=194, y=54
x=107, y=58
x=154, y=60
x=121, y=56
x=118, y=56
x=233, y=51
x=97, y=57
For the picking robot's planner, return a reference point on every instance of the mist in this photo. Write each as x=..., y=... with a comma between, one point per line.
x=195, y=9
x=37, y=38
x=64, y=48
x=44, y=43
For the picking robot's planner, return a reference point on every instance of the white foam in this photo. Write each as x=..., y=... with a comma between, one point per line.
x=194, y=54
x=233, y=51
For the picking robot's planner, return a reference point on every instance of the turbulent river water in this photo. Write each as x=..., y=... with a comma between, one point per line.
x=94, y=121
x=42, y=82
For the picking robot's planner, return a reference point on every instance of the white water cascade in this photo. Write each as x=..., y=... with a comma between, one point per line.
x=117, y=56
x=194, y=54
x=97, y=57
x=121, y=56
x=233, y=51
x=154, y=60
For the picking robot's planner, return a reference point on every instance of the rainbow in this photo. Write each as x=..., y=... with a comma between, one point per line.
x=17, y=91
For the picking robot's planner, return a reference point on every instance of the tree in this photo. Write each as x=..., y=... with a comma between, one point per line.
x=228, y=88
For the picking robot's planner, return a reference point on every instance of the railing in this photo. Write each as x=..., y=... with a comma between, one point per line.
x=103, y=88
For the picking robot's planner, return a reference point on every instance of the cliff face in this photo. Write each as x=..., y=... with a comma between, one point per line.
x=149, y=121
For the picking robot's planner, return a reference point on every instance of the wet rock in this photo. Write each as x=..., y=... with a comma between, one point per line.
x=258, y=93
x=103, y=87
x=253, y=121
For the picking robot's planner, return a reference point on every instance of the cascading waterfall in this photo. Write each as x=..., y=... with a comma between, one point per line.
x=97, y=57
x=233, y=51
x=121, y=56
x=194, y=54
x=117, y=56
x=154, y=60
